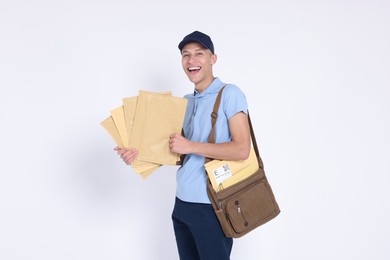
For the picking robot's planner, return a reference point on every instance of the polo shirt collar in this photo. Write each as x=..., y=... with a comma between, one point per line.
x=214, y=87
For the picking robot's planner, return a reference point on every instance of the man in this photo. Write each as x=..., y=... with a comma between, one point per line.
x=197, y=230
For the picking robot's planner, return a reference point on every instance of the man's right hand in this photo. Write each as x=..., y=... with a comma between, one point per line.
x=127, y=155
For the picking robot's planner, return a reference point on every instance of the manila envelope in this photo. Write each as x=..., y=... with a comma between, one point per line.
x=118, y=115
x=147, y=173
x=223, y=174
x=140, y=167
x=157, y=116
x=111, y=128
x=143, y=168
x=129, y=107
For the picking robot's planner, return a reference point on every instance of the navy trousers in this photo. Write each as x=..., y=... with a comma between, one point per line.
x=198, y=233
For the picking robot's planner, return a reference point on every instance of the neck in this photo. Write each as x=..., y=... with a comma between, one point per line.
x=201, y=86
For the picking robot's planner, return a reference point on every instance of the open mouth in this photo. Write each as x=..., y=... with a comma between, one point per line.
x=194, y=69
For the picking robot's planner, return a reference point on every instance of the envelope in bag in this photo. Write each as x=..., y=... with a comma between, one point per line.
x=223, y=173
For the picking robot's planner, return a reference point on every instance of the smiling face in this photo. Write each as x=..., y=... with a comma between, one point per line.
x=197, y=63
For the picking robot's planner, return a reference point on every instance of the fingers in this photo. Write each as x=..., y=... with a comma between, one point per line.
x=174, y=135
x=172, y=138
x=177, y=143
x=127, y=155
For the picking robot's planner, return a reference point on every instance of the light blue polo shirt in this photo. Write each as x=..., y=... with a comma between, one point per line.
x=191, y=176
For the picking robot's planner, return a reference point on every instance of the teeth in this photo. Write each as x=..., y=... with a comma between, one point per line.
x=194, y=68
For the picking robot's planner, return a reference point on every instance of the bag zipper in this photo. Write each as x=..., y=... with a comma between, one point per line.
x=239, y=212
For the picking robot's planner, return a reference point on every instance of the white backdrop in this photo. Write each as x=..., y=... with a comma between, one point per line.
x=316, y=76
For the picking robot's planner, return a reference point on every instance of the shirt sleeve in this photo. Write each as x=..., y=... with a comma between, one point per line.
x=234, y=101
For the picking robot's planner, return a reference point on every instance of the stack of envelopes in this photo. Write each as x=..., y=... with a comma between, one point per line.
x=145, y=122
x=223, y=173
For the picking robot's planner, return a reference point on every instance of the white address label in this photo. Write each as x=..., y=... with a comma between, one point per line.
x=222, y=173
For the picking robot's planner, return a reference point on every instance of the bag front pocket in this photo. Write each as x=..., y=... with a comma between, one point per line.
x=251, y=207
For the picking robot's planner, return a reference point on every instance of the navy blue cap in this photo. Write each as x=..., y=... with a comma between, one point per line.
x=198, y=37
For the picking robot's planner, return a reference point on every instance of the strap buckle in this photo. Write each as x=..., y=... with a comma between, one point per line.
x=214, y=115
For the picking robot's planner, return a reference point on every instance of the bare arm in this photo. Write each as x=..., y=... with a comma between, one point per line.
x=237, y=149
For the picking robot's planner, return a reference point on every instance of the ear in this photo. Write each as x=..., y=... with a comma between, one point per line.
x=214, y=59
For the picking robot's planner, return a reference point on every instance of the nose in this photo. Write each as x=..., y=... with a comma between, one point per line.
x=190, y=58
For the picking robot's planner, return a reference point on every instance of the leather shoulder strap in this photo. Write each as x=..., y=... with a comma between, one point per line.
x=214, y=116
